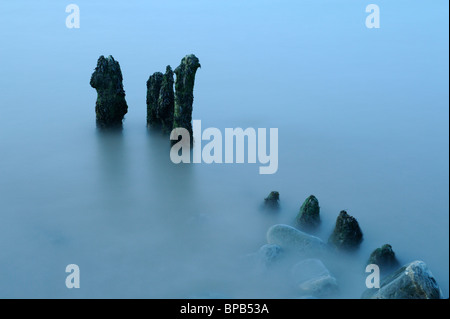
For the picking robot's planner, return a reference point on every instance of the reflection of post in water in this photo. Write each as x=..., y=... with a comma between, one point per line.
x=113, y=179
x=173, y=185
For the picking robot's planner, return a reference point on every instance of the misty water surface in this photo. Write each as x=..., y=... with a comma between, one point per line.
x=363, y=125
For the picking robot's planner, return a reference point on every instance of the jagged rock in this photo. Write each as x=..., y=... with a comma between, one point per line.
x=166, y=101
x=272, y=201
x=110, y=107
x=294, y=240
x=412, y=281
x=384, y=258
x=269, y=253
x=153, y=89
x=313, y=278
x=184, y=92
x=346, y=235
x=309, y=215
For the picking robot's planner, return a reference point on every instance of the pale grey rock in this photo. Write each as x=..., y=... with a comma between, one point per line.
x=412, y=281
x=311, y=277
x=294, y=240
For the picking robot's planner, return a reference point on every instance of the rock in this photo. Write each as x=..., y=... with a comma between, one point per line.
x=384, y=258
x=313, y=278
x=272, y=201
x=166, y=101
x=153, y=88
x=110, y=107
x=309, y=215
x=412, y=281
x=346, y=235
x=184, y=93
x=269, y=253
x=294, y=240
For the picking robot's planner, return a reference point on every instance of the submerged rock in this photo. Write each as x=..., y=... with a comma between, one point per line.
x=346, y=235
x=184, y=92
x=269, y=253
x=384, y=258
x=294, y=240
x=110, y=107
x=273, y=200
x=412, y=281
x=153, y=88
x=166, y=101
x=313, y=278
x=309, y=214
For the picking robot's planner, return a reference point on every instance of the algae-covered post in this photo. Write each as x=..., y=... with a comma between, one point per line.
x=110, y=107
x=346, y=235
x=153, y=88
x=184, y=93
x=384, y=257
x=273, y=200
x=166, y=101
x=308, y=217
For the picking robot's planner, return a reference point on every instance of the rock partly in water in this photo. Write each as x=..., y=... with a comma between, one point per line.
x=313, y=278
x=184, y=93
x=110, y=107
x=308, y=217
x=273, y=200
x=153, y=88
x=269, y=254
x=384, y=258
x=166, y=101
x=294, y=240
x=412, y=281
x=346, y=235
